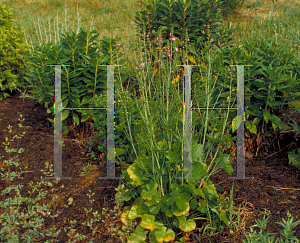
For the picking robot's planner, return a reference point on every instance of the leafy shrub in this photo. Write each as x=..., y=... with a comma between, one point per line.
x=199, y=19
x=80, y=81
x=270, y=83
x=12, y=46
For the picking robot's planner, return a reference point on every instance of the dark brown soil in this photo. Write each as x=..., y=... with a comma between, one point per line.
x=275, y=186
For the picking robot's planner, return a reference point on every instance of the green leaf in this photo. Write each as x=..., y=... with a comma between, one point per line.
x=172, y=197
x=295, y=103
x=135, y=174
x=186, y=225
x=139, y=236
x=169, y=212
x=224, y=218
x=151, y=189
x=276, y=121
x=76, y=118
x=266, y=115
x=85, y=117
x=194, y=203
x=164, y=235
x=51, y=120
x=179, y=212
x=148, y=222
x=64, y=103
x=86, y=99
x=182, y=201
x=251, y=128
x=133, y=212
x=64, y=114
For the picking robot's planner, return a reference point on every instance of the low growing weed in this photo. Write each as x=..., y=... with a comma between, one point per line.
x=287, y=233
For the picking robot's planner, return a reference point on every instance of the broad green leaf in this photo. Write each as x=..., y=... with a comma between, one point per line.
x=224, y=161
x=139, y=236
x=124, y=218
x=155, y=208
x=172, y=197
x=198, y=154
x=164, y=235
x=199, y=169
x=135, y=174
x=193, y=203
x=156, y=199
x=182, y=201
x=148, y=222
x=64, y=114
x=186, y=225
x=151, y=189
x=251, y=128
x=169, y=212
x=133, y=212
x=295, y=103
x=224, y=218
x=179, y=212
x=202, y=206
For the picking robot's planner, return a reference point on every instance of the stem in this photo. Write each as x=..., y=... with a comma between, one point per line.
x=207, y=22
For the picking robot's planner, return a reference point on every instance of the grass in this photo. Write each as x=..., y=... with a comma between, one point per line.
x=114, y=18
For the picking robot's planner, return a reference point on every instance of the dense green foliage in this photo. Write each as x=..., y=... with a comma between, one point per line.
x=12, y=49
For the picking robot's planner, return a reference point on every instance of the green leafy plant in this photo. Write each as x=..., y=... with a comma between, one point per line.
x=81, y=80
x=162, y=203
x=288, y=225
x=200, y=19
x=12, y=46
x=114, y=227
x=124, y=149
x=11, y=216
x=270, y=84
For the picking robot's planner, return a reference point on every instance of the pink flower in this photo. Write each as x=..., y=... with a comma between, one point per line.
x=176, y=48
x=169, y=54
x=174, y=39
x=143, y=65
x=118, y=45
x=212, y=40
x=156, y=39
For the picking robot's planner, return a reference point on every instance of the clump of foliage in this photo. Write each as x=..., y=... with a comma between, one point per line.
x=12, y=49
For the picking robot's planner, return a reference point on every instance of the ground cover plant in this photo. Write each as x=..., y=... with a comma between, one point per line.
x=156, y=207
